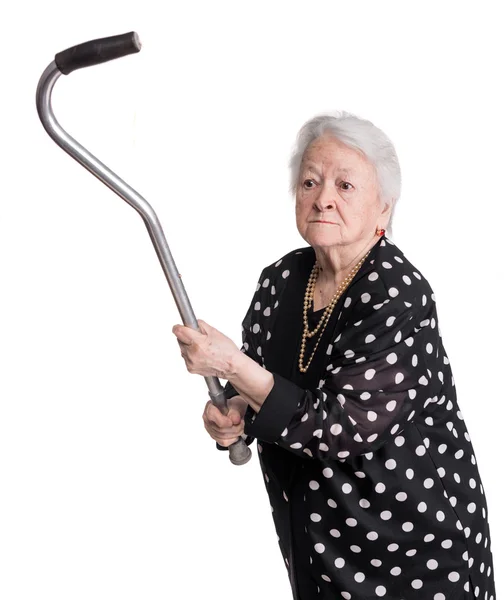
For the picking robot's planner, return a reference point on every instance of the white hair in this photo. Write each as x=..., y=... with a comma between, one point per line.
x=360, y=135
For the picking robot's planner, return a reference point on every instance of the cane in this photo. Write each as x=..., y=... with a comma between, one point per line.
x=85, y=55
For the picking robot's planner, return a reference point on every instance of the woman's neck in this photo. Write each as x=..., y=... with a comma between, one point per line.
x=335, y=263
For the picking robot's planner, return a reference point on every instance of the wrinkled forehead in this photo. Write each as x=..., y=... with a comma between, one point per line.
x=328, y=153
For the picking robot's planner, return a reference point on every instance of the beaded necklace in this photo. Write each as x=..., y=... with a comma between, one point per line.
x=324, y=320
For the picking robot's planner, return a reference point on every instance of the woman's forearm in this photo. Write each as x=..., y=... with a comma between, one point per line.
x=250, y=380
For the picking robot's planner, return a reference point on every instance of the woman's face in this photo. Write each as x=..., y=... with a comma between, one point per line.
x=337, y=202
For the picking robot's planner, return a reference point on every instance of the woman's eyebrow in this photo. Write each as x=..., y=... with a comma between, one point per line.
x=344, y=170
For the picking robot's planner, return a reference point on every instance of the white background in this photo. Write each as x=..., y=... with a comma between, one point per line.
x=109, y=485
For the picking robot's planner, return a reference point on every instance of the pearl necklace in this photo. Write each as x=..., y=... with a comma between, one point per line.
x=324, y=320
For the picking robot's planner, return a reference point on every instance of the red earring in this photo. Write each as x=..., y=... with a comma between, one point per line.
x=380, y=231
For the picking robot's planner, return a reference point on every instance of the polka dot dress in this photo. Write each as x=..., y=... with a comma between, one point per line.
x=367, y=461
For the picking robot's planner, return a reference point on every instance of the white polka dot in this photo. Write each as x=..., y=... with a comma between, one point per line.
x=315, y=517
x=441, y=472
x=335, y=533
x=376, y=562
x=285, y=274
x=314, y=485
x=406, y=280
x=439, y=597
x=339, y=563
x=399, y=378
x=359, y=577
x=442, y=448
x=370, y=338
x=365, y=396
x=319, y=548
x=372, y=535
x=346, y=488
x=355, y=549
x=391, y=405
x=371, y=415
x=346, y=595
x=428, y=483
x=386, y=515
x=423, y=380
x=471, y=507
x=401, y=496
x=332, y=503
x=411, y=553
x=440, y=516
x=325, y=578
x=416, y=584
x=380, y=488
x=459, y=454
x=256, y=328
x=429, y=537
x=296, y=446
x=351, y=522
x=369, y=374
x=408, y=526
x=365, y=298
x=393, y=547
x=420, y=450
x=349, y=354
x=432, y=564
x=380, y=590
x=399, y=441
x=336, y=429
x=453, y=576
x=393, y=292
x=390, y=464
x=422, y=507
x=410, y=473
x=363, y=503
x=327, y=472
x=395, y=571
x=392, y=358
x=446, y=544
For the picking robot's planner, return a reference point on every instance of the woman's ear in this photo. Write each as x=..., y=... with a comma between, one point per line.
x=387, y=208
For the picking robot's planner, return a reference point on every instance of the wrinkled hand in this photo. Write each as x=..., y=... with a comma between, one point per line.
x=225, y=430
x=207, y=352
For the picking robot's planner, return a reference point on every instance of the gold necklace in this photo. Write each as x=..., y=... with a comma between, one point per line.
x=324, y=320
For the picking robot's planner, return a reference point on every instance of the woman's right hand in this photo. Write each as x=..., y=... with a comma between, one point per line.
x=225, y=430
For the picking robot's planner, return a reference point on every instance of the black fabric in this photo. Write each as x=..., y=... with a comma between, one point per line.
x=366, y=458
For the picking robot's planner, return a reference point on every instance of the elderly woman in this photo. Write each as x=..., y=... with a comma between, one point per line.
x=344, y=381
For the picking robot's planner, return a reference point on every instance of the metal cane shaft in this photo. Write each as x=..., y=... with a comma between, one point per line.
x=92, y=53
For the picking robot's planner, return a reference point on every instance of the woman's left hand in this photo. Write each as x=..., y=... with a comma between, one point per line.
x=207, y=352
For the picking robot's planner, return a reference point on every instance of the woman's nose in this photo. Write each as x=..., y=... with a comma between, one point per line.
x=325, y=200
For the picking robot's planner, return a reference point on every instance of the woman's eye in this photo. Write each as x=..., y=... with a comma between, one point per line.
x=308, y=184
x=345, y=183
